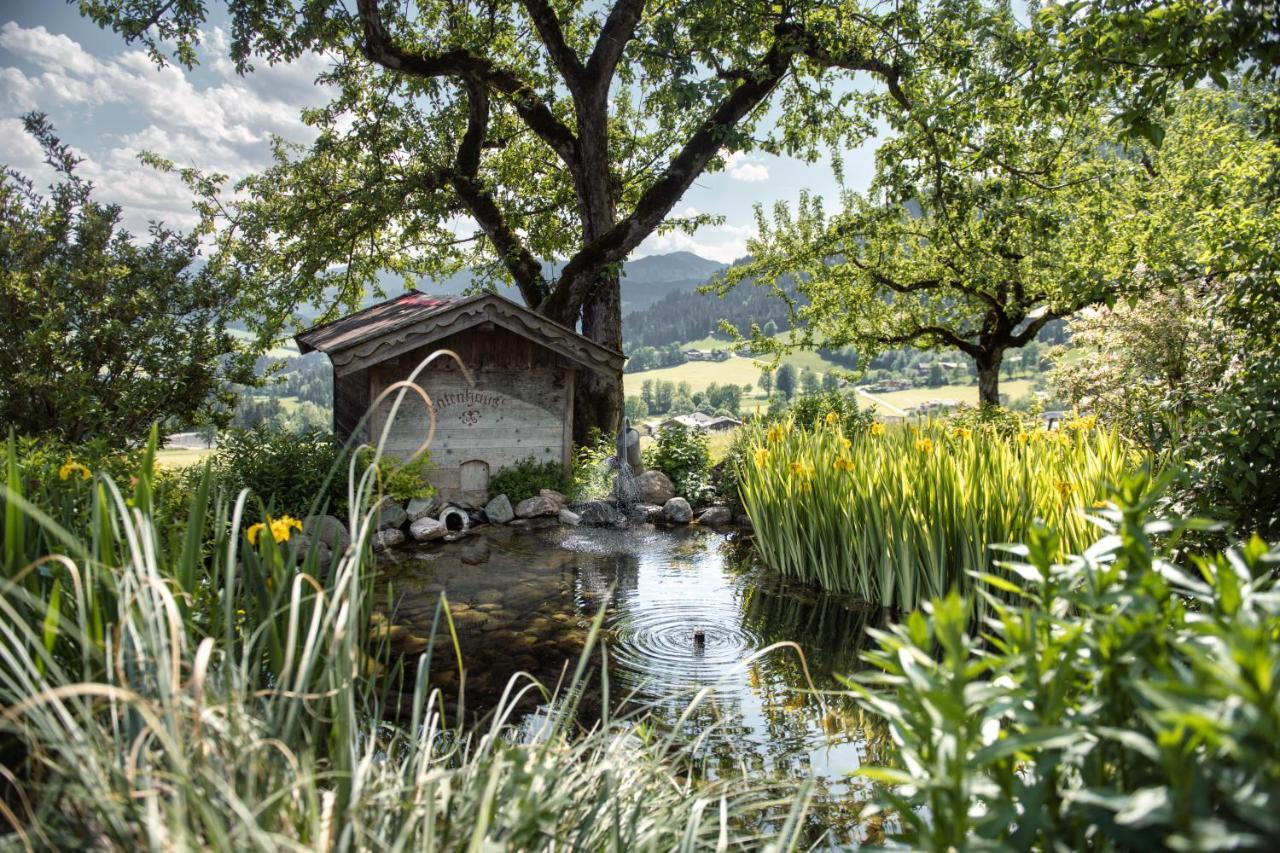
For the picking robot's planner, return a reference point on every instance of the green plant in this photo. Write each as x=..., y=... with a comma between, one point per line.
x=592, y=475
x=129, y=718
x=900, y=515
x=681, y=453
x=814, y=410
x=286, y=471
x=528, y=477
x=1117, y=700
x=402, y=481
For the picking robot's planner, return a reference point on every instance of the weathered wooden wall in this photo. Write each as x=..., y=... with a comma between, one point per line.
x=350, y=402
x=520, y=406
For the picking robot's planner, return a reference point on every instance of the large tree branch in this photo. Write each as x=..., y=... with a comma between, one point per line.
x=516, y=257
x=381, y=48
x=939, y=333
x=619, y=28
x=575, y=283
x=548, y=27
x=890, y=72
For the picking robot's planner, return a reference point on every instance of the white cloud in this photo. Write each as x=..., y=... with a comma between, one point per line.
x=222, y=125
x=724, y=243
x=740, y=168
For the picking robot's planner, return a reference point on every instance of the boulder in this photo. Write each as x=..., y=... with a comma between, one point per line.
x=677, y=511
x=427, y=529
x=391, y=515
x=475, y=553
x=569, y=517
x=743, y=520
x=553, y=495
x=644, y=513
x=538, y=506
x=499, y=510
x=306, y=544
x=329, y=530
x=715, y=516
x=477, y=517
x=600, y=513
x=389, y=538
x=655, y=487
x=422, y=507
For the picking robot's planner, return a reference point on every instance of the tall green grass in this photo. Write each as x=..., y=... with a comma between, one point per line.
x=901, y=515
x=165, y=683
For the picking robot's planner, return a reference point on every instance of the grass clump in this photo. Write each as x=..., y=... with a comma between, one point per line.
x=899, y=515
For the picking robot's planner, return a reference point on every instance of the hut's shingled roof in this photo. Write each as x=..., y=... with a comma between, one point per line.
x=370, y=322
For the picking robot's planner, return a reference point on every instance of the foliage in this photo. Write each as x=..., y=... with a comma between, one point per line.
x=1115, y=700
x=817, y=410
x=105, y=334
x=527, y=477
x=901, y=515
x=166, y=680
x=401, y=481
x=592, y=471
x=682, y=454
x=988, y=216
x=286, y=471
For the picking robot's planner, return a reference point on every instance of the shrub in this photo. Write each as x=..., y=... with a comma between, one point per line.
x=402, y=481
x=592, y=475
x=681, y=453
x=1120, y=701
x=527, y=477
x=813, y=410
x=900, y=515
x=286, y=471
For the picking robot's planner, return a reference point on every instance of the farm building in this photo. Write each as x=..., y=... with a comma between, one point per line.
x=524, y=366
x=704, y=422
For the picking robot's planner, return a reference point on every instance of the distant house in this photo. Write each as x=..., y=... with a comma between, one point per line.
x=703, y=422
x=705, y=355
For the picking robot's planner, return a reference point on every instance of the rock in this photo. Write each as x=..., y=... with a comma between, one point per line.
x=427, y=529
x=743, y=520
x=477, y=517
x=391, y=515
x=389, y=538
x=551, y=494
x=715, y=516
x=677, y=511
x=655, y=487
x=475, y=553
x=329, y=530
x=600, y=513
x=538, y=506
x=569, y=517
x=644, y=513
x=306, y=544
x=422, y=507
x=499, y=510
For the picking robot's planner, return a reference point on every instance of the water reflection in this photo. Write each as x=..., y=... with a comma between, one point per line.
x=529, y=608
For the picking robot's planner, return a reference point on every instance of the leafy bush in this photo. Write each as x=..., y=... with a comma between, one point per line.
x=527, y=477
x=900, y=515
x=402, y=481
x=592, y=475
x=1119, y=701
x=813, y=410
x=285, y=470
x=681, y=453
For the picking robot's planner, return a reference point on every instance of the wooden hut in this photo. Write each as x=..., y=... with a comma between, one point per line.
x=524, y=366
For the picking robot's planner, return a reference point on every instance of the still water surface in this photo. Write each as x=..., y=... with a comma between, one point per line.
x=529, y=605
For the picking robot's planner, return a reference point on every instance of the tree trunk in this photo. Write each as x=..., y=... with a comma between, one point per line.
x=989, y=377
x=598, y=399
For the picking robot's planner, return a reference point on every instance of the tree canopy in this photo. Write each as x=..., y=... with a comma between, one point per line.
x=987, y=218
x=104, y=335
x=496, y=135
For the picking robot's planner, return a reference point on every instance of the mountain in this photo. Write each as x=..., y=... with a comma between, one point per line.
x=645, y=281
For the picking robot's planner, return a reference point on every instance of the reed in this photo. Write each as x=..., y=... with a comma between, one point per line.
x=900, y=515
x=168, y=682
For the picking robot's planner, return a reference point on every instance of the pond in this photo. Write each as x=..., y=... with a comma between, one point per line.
x=685, y=609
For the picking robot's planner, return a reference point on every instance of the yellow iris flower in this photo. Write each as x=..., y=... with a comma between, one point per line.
x=962, y=432
x=877, y=428
x=762, y=455
x=775, y=433
x=832, y=419
x=281, y=528
x=924, y=445
x=73, y=467
x=843, y=463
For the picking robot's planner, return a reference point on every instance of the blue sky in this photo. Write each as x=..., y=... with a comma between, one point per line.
x=109, y=102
